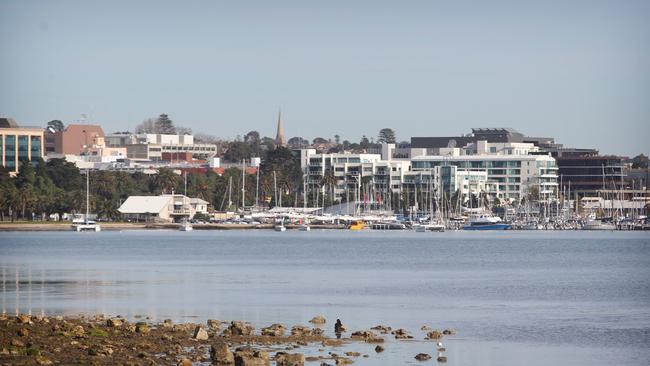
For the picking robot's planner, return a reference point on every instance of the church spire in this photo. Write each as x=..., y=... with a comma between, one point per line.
x=279, y=137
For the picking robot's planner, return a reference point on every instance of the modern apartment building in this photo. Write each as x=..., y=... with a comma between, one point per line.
x=347, y=172
x=19, y=144
x=509, y=177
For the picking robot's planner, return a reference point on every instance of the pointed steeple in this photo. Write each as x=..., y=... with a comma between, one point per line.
x=279, y=137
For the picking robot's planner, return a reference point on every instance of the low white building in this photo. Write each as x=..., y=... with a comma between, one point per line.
x=163, y=208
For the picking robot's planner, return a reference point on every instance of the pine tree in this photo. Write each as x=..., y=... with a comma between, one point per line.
x=164, y=125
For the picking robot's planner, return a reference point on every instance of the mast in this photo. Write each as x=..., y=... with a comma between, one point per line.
x=87, y=195
x=304, y=193
x=243, y=183
x=257, y=187
x=229, y=191
x=275, y=188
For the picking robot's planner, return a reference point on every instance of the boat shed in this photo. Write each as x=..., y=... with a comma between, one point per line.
x=163, y=208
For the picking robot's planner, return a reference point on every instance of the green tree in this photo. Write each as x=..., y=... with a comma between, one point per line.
x=640, y=161
x=386, y=135
x=237, y=151
x=166, y=180
x=165, y=125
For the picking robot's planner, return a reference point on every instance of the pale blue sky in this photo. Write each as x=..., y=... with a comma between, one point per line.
x=575, y=70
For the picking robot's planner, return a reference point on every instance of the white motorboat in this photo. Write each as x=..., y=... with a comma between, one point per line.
x=304, y=227
x=280, y=228
x=486, y=222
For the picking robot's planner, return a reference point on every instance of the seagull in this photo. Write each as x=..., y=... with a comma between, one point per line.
x=439, y=344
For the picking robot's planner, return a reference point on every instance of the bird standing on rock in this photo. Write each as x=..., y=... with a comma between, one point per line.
x=339, y=328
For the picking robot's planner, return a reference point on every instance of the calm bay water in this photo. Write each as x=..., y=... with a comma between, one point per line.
x=535, y=298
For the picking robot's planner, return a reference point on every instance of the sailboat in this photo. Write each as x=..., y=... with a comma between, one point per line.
x=86, y=224
x=186, y=225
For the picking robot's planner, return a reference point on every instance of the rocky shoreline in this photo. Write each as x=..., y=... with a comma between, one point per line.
x=101, y=340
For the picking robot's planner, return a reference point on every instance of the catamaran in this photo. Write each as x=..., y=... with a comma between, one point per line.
x=86, y=224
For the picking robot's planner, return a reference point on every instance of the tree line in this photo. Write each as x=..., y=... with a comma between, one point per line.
x=41, y=189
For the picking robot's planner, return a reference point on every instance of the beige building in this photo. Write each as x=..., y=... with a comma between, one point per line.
x=19, y=144
x=163, y=208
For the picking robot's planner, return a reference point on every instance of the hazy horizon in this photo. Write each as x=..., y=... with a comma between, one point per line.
x=577, y=71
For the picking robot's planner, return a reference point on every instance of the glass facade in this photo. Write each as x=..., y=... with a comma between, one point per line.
x=23, y=148
x=10, y=152
x=35, y=147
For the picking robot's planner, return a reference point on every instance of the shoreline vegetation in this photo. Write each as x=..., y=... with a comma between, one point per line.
x=102, y=340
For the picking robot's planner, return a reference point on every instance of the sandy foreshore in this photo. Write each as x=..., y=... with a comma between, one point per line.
x=100, y=340
x=117, y=226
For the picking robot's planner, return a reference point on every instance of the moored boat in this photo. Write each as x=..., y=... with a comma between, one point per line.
x=392, y=225
x=486, y=222
x=430, y=227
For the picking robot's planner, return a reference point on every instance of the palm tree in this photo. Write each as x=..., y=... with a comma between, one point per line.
x=328, y=180
x=166, y=180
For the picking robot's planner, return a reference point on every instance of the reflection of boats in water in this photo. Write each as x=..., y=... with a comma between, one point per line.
x=389, y=225
x=357, y=225
x=486, y=222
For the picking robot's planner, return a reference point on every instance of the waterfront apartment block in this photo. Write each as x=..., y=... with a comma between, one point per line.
x=19, y=144
x=509, y=177
x=445, y=181
x=346, y=173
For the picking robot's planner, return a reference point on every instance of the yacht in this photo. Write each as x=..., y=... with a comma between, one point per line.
x=304, y=227
x=486, y=222
x=593, y=223
x=280, y=228
x=186, y=226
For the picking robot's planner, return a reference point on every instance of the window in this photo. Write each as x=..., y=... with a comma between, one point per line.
x=10, y=152
x=23, y=148
x=35, y=147
x=493, y=149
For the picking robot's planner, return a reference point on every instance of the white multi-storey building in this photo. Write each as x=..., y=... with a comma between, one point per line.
x=509, y=177
x=347, y=172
